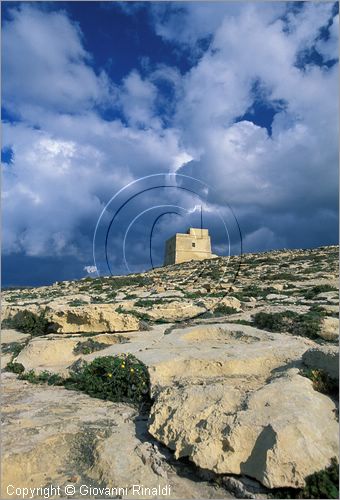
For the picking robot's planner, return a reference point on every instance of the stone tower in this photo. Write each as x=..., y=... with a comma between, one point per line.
x=194, y=245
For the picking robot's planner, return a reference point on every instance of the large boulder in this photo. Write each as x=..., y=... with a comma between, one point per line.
x=97, y=318
x=91, y=318
x=278, y=434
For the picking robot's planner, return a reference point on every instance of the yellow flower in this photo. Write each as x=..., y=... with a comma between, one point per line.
x=132, y=370
x=109, y=375
x=123, y=366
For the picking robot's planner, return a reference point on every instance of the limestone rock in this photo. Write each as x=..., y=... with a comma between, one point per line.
x=68, y=437
x=276, y=296
x=278, y=434
x=278, y=286
x=56, y=354
x=329, y=328
x=44, y=353
x=92, y=318
x=173, y=311
x=323, y=358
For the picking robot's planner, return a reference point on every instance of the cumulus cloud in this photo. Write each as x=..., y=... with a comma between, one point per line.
x=292, y=167
x=46, y=65
x=69, y=158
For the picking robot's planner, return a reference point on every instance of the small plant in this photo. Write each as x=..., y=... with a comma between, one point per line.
x=223, y=310
x=29, y=322
x=282, y=276
x=76, y=303
x=322, y=382
x=89, y=346
x=44, y=377
x=111, y=296
x=315, y=290
x=137, y=314
x=150, y=302
x=15, y=367
x=274, y=322
x=96, y=300
x=13, y=347
x=116, y=378
x=305, y=325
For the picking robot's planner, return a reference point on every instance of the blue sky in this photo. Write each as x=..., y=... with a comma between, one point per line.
x=95, y=95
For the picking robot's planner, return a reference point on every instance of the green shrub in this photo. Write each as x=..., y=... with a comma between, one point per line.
x=274, y=322
x=147, y=302
x=224, y=310
x=89, y=346
x=282, y=276
x=12, y=347
x=322, y=382
x=116, y=378
x=111, y=296
x=44, y=377
x=124, y=281
x=315, y=290
x=15, y=367
x=29, y=322
x=97, y=300
x=76, y=303
x=321, y=484
x=140, y=315
x=305, y=325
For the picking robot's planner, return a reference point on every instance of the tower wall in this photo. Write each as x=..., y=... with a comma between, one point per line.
x=195, y=245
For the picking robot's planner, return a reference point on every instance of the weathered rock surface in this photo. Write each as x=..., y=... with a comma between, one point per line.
x=81, y=319
x=278, y=434
x=325, y=357
x=53, y=354
x=173, y=311
x=92, y=318
x=69, y=438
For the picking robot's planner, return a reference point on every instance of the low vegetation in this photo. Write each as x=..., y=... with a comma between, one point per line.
x=322, y=382
x=122, y=378
x=311, y=293
x=223, y=310
x=15, y=367
x=306, y=325
x=90, y=345
x=115, y=378
x=28, y=322
x=13, y=348
x=44, y=377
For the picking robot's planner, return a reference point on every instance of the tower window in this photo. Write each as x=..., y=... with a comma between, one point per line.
x=193, y=244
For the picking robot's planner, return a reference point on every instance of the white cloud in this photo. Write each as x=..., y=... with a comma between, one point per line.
x=138, y=101
x=68, y=160
x=46, y=65
x=295, y=169
x=90, y=269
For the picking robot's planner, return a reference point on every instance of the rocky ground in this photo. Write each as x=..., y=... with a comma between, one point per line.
x=243, y=360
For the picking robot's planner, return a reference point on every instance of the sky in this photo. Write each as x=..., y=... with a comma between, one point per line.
x=161, y=110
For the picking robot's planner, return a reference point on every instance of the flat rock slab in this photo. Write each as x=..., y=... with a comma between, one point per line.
x=69, y=438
